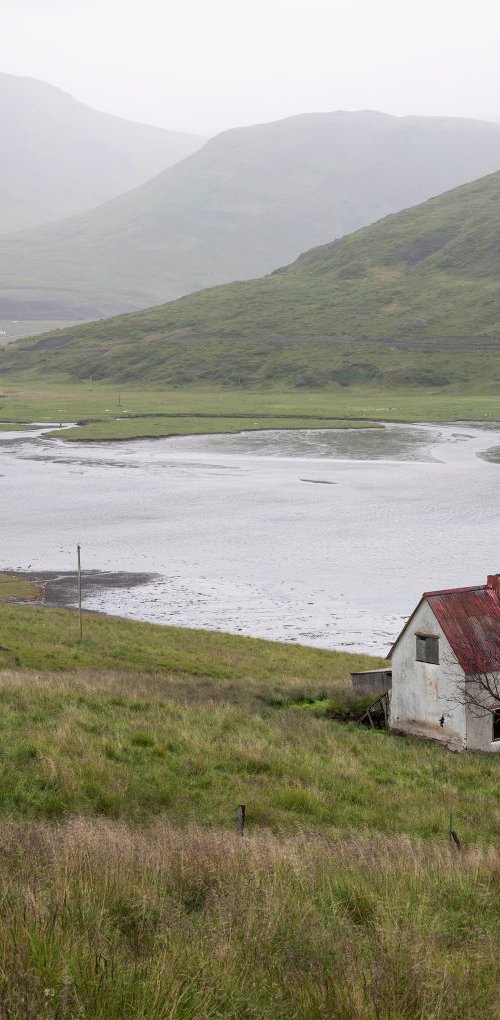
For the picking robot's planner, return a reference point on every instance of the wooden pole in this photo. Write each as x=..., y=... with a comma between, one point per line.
x=79, y=591
x=241, y=819
x=454, y=840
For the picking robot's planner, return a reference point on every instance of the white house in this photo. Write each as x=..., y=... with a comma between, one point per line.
x=448, y=646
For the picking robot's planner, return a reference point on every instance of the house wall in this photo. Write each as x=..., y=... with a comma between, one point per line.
x=422, y=692
x=479, y=729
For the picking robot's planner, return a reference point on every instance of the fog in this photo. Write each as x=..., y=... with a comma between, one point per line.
x=204, y=67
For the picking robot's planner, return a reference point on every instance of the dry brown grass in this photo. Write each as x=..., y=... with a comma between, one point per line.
x=92, y=681
x=101, y=920
x=155, y=687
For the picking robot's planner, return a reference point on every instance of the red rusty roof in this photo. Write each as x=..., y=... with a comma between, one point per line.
x=470, y=620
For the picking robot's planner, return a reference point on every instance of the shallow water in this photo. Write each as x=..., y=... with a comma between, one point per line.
x=320, y=537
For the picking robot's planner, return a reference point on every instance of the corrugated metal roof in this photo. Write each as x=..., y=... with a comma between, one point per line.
x=470, y=620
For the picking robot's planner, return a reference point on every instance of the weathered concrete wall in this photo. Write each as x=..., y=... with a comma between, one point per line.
x=423, y=693
x=480, y=729
x=373, y=681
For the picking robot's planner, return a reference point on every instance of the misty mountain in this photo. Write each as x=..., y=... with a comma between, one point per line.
x=59, y=157
x=247, y=202
x=411, y=300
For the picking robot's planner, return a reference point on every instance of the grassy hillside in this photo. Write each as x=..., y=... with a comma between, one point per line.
x=59, y=157
x=137, y=719
x=411, y=301
x=249, y=201
x=125, y=889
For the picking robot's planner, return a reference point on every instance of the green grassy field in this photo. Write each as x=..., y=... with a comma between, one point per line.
x=124, y=889
x=138, y=411
x=17, y=588
x=154, y=427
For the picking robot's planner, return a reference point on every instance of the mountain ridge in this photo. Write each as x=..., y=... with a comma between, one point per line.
x=250, y=200
x=60, y=157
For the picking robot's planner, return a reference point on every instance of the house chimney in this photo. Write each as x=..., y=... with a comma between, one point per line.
x=493, y=583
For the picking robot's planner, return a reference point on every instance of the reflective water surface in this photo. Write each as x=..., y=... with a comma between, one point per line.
x=319, y=537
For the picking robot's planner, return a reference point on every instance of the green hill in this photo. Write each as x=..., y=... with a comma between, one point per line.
x=59, y=157
x=249, y=201
x=413, y=299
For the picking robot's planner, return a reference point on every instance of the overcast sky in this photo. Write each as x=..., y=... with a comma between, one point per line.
x=206, y=65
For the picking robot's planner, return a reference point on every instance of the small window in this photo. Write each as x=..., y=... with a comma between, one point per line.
x=427, y=649
x=496, y=724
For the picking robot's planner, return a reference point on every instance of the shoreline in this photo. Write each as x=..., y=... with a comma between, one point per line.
x=55, y=431
x=58, y=589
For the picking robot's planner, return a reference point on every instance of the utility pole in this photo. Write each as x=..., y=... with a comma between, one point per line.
x=80, y=591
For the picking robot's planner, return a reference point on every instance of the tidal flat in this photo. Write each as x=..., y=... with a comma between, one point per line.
x=319, y=537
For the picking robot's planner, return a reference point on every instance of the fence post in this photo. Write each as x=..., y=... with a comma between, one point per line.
x=241, y=819
x=454, y=840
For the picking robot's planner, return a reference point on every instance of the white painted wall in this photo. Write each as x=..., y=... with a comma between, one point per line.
x=423, y=692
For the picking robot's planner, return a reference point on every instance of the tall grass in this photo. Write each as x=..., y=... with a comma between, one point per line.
x=102, y=921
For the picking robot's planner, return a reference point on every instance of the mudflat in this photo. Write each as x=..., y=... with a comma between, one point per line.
x=242, y=533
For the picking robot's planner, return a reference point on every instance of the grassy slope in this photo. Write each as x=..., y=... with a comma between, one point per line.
x=251, y=200
x=138, y=719
x=423, y=281
x=43, y=639
x=342, y=912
